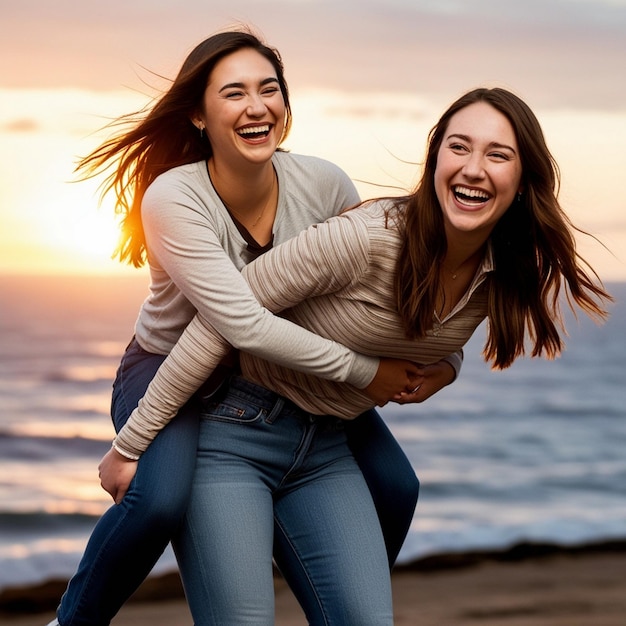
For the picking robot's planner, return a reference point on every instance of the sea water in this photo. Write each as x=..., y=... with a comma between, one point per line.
x=534, y=453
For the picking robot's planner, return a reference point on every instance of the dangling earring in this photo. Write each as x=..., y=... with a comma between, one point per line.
x=201, y=129
x=519, y=196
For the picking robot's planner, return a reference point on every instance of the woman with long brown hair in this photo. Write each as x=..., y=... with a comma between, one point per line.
x=482, y=236
x=203, y=189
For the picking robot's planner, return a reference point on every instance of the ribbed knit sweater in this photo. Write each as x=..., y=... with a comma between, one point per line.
x=334, y=279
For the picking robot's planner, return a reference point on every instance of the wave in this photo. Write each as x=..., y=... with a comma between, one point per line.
x=13, y=523
x=24, y=447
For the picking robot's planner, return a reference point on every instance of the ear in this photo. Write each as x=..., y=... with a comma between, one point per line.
x=197, y=121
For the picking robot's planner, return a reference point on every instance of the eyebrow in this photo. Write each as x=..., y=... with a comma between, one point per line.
x=493, y=144
x=265, y=81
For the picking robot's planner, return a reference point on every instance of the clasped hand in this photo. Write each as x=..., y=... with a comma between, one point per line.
x=404, y=382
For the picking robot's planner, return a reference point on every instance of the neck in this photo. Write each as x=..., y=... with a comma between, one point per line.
x=463, y=247
x=250, y=196
x=463, y=261
x=239, y=187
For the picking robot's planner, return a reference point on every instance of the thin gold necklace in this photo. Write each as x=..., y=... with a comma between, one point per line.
x=236, y=213
x=455, y=273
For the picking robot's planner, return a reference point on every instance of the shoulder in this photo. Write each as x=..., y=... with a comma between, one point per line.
x=375, y=214
x=309, y=166
x=178, y=177
x=183, y=185
x=311, y=175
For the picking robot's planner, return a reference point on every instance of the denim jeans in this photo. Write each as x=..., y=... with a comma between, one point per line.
x=130, y=537
x=266, y=466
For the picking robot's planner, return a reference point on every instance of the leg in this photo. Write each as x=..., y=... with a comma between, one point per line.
x=130, y=537
x=337, y=564
x=224, y=551
x=224, y=548
x=389, y=476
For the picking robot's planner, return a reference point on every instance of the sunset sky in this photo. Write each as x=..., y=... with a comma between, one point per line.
x=368, y=79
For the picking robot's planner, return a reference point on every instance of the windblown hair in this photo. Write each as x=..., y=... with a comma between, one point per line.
x=533, y=245
x=163, y=136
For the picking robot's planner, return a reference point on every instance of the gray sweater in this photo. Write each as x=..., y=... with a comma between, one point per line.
x=335, y=279
x=196, y=254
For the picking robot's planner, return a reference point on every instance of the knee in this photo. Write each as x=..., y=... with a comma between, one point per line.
x=405, y=487
x=156, y=508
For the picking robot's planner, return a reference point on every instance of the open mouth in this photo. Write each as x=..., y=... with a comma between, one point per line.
x=254, y=132
x=468, y=196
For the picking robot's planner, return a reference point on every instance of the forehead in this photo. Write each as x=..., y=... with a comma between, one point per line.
x=480, y=122
x=245, y=65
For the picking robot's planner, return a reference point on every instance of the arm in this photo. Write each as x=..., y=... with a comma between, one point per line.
x=189, y=243
x=281, y=278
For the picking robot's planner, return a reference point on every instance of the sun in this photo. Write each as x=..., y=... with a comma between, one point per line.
x=62, y=228
x=84, y=234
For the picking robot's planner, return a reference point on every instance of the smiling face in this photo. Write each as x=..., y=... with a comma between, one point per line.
x=243, y=109
x=478, y=171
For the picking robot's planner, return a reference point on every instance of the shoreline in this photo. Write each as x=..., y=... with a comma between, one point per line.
x=543, y=584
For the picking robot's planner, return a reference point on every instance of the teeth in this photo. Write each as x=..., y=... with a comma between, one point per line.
x=254, y=130
x=474, y=194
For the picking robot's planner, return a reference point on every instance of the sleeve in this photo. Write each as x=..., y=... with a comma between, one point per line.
x=456, y=361
x=306, y=266
x=184, y=243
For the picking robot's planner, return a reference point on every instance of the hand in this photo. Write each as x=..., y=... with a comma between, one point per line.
x=116, y=472
x=394, y=377
x=432, y=378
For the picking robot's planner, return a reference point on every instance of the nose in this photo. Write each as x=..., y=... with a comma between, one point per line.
x=256, y=106
x=473, y=167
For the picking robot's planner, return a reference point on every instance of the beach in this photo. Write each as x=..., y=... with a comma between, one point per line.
x=527, y=585
x=532, y=457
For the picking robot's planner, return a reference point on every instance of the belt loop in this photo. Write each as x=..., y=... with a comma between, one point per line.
x=276, y=409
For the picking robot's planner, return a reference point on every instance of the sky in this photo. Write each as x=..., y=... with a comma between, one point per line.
x=368, y=78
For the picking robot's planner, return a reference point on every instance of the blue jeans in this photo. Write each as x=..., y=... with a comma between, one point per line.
x=130, y=537
x=264, y=466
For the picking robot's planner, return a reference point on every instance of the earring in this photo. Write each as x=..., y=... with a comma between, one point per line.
x=201, y=129
x=519, y=196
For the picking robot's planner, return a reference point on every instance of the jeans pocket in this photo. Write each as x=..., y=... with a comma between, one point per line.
x=232, y=412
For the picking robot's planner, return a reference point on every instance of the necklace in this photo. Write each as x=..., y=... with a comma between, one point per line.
x=237, y=214
x=454, y=273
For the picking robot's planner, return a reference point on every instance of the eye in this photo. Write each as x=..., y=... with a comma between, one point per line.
x=459, y=148
x=500, y=156
x=270, y=91
x=233, y=95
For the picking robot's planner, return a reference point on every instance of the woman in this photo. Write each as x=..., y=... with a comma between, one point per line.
x=482, y=236
x=197, y=228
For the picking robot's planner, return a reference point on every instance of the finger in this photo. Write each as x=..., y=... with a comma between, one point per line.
x=407, y=398
x=121, y=494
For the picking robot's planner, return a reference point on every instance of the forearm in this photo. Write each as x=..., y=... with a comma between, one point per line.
x=188, y=365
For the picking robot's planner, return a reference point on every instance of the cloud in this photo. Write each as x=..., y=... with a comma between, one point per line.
x=23, y=125
x=555, y=53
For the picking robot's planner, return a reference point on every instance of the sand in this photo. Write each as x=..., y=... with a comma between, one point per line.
x=529, y=585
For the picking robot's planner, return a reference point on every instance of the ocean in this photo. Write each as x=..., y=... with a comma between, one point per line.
x=534, y=453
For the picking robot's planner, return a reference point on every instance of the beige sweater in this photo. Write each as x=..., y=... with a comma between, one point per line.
x=334, y=279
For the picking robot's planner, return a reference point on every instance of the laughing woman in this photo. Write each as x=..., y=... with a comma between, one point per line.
x=482, y=236
x=203, y=189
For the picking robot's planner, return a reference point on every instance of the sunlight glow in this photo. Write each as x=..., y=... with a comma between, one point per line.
x=49, y=224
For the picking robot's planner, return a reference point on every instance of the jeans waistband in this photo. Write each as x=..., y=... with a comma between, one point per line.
x=267, y=399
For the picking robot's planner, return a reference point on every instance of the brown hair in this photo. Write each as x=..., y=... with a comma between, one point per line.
x=162, y=137
x=533, y=246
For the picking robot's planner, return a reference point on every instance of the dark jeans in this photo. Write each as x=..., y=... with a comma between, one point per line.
x=130, y=537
